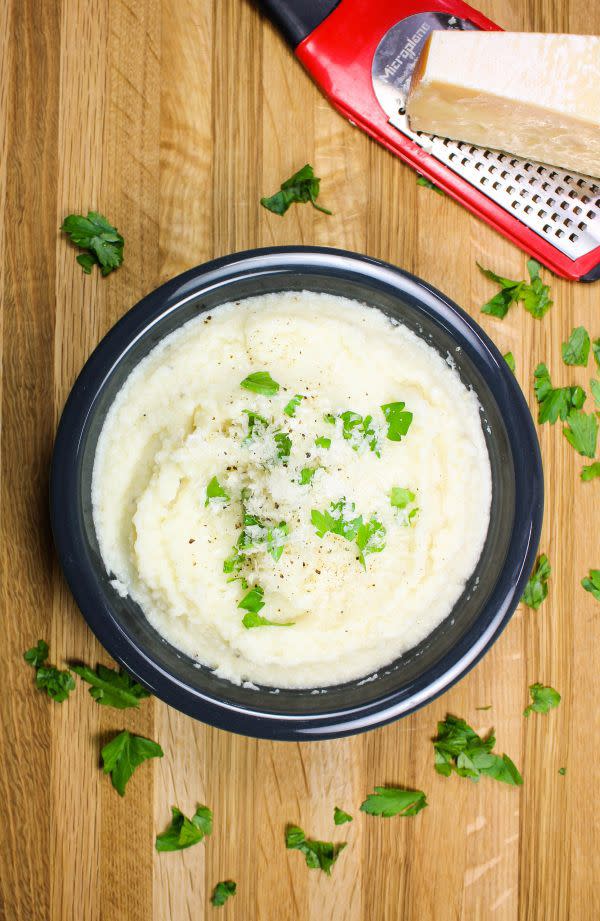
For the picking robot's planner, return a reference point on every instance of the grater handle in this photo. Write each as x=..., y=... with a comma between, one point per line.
x=296, y=19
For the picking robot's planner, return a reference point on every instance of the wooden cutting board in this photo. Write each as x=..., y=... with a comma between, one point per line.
x=173, y=118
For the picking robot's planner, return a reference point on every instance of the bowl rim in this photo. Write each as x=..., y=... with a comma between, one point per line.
x=84, y=583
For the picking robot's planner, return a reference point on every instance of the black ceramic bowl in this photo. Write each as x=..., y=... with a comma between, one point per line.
x=489, y=598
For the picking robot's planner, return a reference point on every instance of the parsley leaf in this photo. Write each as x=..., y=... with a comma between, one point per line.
x=306, y=475
x=284, y=446
x=536, y=589
x=370, y=538
x=428, y=184
x=591, y=583
x=253, y=601
x=261, y=382
x=340, y=817
x=576, y=349
x=459, y=748
x=543, y=698
x=536, y=296
x=251, y=619
x=595, y=388
x=562, y=771
x=222, y=892
x=257, y=425
x=402, y=499
x=510, y=292
x=184, y=832
x=509, y=358
x=391, y=801
x=590, y=472
x=290, y=408
x=357, y=430
x=112, y=688
x=215, y=493
x=95, y=234
x=582, y=432
x=57, y=685
x=37, y=655
x=302, y=187
x=336, y=520
x=319, y=855
x=397, y=419
x=323, y=442
x=123, y=754
x=596, y=351
x=554, y=402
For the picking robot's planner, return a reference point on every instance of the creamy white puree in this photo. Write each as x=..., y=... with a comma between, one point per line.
x=178, y=421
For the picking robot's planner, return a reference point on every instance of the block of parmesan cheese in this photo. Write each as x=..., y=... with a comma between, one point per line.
x=533, y=95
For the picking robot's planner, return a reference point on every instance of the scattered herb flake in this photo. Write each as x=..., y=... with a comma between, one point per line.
x=536, y=589
x=591, y=583
x=459, y=748
x=222, y=892
x=576, y=350
x=323, y=442
x=337, y=520
x=57, y=684
x=340, y=817
x=392, y=801
x=300, y=188
x=428, y=184
x=261, y=382
x=215, y=493
x=509, y=358
x=370, y=538
x=251, y=619
x=582, y=432
x=402, y=499
x=123, y=754
x=253, y=601
x=590, y=472
x=257, y=425
x=543, y=698
x=112, y=688
x=398, y=420
x=319, y=855
x=284, y=446
x=184, y=832
x=536, y=296
x=562, y=771
x=290, y=408
x=554, y=402
x=595, y=388
x=104, y=244
x=37, y=655
x=596, y=351
x=306, y=475
x=510, y=293
x=357, y=430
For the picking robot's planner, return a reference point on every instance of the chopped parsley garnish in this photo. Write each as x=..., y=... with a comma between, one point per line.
x=319, y=855
x=215, y=493
x=184, y=832
x=37, y=655
x=123, y=754
x=536, y=589
x=591, y=583
x=595, y=388
x=112, y=688
x=284, y=446
x=222, y=892
x=535, y=295
x=337, y=520
x=257, y=425
x=428, y=184
x=459, y=748
x=576, y=350
x=323, y=442
x=590, y=472
x=403, y=499
x=290, y=408
x=276, y=539
x=562, y=771
x=392, y=801
x=253, y=601
x=509, y=358
x=300, y=188
x=596, y=351
x=582, y=432
x=306, y=475
x=251, y=620
x=398, y=420
x=543, y=698
x=357, y=430
x=261, y=382
x=57, y=684
x=101, y=241
x=370, y=538
x=340, y=817
x=555, y=402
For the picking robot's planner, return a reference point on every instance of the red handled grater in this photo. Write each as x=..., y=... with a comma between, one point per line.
x=362, y=54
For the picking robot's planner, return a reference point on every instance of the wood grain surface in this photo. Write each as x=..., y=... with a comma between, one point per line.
x=173, y=117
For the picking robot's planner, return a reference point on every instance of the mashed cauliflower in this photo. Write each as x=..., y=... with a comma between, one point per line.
x=277, y=513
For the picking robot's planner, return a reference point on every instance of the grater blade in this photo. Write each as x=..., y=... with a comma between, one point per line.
x=562, y=207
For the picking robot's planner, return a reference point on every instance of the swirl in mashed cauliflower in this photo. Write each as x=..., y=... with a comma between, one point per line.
x=202, y=500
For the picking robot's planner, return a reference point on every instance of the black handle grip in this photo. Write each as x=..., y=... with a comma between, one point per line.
x=297, y=18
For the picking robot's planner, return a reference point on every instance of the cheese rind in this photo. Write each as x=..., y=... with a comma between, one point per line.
x=533, y=95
